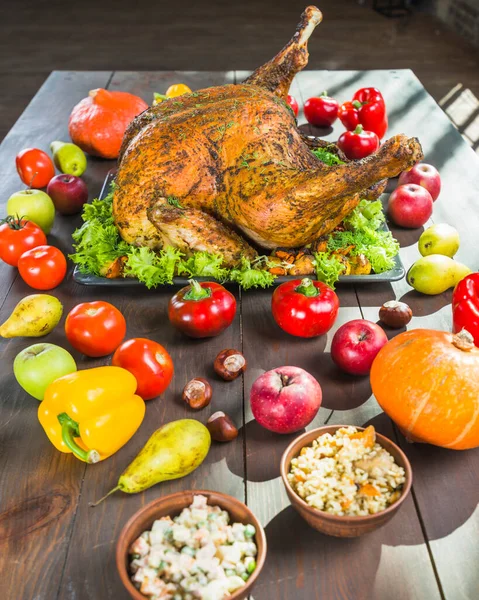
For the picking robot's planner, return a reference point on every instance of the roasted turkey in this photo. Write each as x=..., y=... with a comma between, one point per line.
x=227, y=170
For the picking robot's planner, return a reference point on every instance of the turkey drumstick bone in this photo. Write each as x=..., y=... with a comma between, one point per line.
x=277, y=74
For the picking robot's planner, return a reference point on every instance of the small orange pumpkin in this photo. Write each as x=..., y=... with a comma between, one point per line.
x=97, y=123
x=428, y=383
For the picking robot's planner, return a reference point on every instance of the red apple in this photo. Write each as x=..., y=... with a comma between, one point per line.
x=355, y=345
x=69, y=193
x=410, y=205
x=424, y=175
x=285, y=399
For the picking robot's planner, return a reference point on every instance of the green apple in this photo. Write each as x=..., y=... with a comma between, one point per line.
x=33, y=205
x=39, y=365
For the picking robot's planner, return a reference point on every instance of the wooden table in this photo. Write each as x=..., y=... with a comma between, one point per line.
x=54, y=546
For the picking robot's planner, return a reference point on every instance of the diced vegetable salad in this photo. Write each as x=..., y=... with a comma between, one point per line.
x=196, y=555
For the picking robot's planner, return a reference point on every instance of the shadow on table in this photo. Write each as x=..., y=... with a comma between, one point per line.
x=324, y=562
x=422, y=304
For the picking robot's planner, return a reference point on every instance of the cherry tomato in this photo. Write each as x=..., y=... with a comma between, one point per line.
x=95, y=328
x=149, y=362
x=304, y=308
x=202, y=309
x=358, y=143
x=43, y=267
x=35, y=167
x=321, y=111
x=17, y=236
x=294, y=104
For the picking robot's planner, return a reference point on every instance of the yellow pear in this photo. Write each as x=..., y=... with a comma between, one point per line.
x=435, y=274
x=34, y=316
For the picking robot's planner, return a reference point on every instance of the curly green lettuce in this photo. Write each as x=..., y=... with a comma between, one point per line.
x=248, y=276
x=152, y=268
x=328, y=158
x=203, y=264
x=328, y=268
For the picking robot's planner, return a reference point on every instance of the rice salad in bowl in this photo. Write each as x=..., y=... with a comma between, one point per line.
x=197, y=555
x=347, y=473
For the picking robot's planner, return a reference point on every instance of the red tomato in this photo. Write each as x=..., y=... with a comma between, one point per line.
x=95, y=328
x=294, y=104
x=304, y=308
x=321, y=111
x=35, y=167
x=43, y=267
x=17, y=236
x=358, y=143
x=149, y=362
x=202, y=309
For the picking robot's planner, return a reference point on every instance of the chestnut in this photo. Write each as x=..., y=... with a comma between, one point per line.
x=229, y=364
x=221, y=427
x=395, y=314
x=197, y=393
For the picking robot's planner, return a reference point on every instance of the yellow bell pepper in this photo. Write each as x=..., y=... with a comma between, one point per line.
x=92, y=413
x=178, y=89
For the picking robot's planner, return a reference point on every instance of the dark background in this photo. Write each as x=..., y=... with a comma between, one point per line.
x=39, y=36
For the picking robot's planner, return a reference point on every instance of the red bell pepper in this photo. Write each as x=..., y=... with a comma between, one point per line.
x=465, y=306
x=368, y=109
x=202, y=309
x=358, y=143
x=304, y=308
x=321, y=111
x=294, y=104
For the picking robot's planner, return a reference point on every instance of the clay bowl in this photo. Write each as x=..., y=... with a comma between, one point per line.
x=172, y=505
x=342, y=526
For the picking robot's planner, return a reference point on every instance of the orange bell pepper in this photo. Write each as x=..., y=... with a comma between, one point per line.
x=92, y=413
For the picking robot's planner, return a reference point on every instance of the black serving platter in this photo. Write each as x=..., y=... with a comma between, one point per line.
x=394, y=274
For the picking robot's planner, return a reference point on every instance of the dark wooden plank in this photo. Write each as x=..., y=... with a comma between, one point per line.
x=319, y=566
x=91, y=563
x=40, y=487
x=414, y=112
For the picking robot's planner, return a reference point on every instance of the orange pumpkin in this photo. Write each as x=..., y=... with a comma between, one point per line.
x=97, y=123
x=428, y=383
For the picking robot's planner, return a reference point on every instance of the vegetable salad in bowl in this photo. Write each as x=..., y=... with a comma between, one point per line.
x=197, y=555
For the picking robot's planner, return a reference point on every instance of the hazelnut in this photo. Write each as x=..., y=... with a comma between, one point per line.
x=395, y=314
x=229, y=364
x=221, y=427
x=197, y=393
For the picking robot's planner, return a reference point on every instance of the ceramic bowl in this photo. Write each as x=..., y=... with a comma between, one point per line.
x=335, y=525
x=172, y=505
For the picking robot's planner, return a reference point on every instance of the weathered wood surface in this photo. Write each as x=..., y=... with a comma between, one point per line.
x=55, y=546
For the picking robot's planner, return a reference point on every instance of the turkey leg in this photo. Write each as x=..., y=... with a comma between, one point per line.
x=191, y=230
x=277, y=74
x=309, y=203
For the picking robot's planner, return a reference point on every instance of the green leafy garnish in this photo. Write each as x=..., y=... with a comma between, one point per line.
x=328, y=268
x=152, y=268
x=203, y=264
x=366, y=215
x=174, y=201
x=250, y=277
x=328, y=158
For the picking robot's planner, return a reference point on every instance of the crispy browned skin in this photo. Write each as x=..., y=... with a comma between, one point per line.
x=198, y=170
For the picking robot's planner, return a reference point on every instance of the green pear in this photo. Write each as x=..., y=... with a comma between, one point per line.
x=68, y=158
x=173, y=451
x=435, y=274
x=439, y=239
